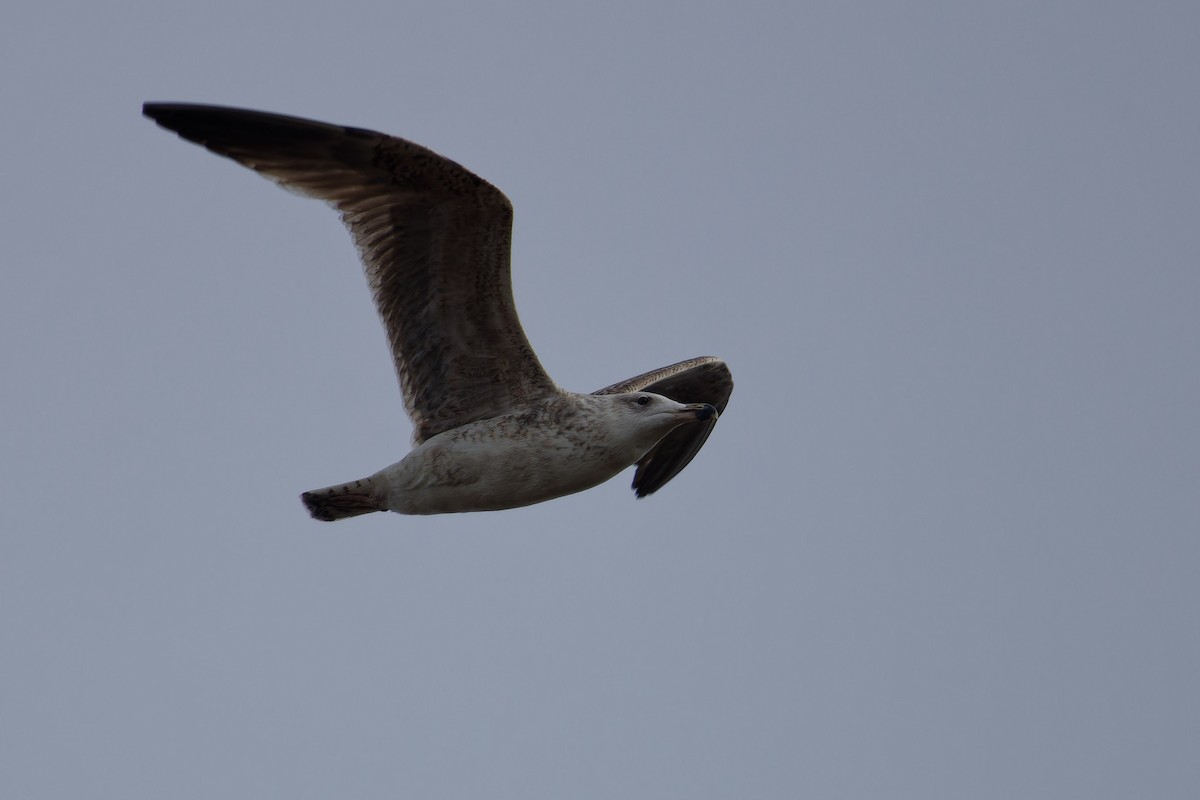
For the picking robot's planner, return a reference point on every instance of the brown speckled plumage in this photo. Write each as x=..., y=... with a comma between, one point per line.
x=435, y=243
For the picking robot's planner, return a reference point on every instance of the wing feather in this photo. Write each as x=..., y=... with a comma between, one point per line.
x=435, y=244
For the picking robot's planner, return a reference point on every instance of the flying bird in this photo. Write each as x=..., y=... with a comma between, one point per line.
x=491, y=430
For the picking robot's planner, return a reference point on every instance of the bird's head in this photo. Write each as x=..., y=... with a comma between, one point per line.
x=645, y=417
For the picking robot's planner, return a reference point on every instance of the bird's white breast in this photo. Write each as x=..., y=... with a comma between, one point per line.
x=507, y=461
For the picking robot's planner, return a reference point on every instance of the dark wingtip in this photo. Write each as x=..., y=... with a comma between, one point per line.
x=223, y=128
x=151, y=109
x=165, y=113
x=162, y=113
x=192, y=122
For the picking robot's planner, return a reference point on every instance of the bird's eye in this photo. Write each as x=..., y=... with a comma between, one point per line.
x=642, y=400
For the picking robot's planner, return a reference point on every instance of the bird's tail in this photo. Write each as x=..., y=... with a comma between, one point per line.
x=344, y=500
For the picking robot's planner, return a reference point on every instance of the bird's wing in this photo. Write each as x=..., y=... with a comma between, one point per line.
x=434, y=240
x=697, y=380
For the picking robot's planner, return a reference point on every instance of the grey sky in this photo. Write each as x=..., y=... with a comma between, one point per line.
x=943, y=543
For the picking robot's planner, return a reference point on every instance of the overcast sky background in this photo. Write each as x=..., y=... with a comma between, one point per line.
x=942, y=544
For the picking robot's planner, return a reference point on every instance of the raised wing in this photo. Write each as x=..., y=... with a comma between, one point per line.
x=434, y=240
x=697, y=380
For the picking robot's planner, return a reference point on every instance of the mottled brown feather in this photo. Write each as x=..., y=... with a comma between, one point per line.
x=434, y=240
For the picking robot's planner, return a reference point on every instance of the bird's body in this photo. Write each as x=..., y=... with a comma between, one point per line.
x=567, y=444
x=491, y=429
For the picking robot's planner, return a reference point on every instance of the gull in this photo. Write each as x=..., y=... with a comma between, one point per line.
x=491, y=430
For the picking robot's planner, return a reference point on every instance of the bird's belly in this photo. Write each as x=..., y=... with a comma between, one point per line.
x=488, y=473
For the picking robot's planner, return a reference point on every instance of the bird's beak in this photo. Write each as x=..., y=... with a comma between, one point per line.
x=700, y=411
